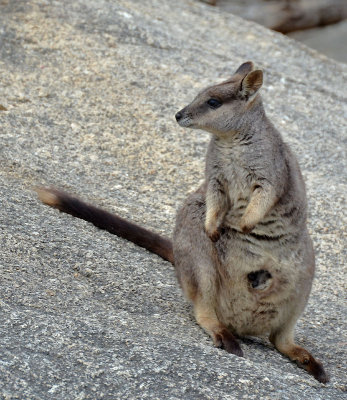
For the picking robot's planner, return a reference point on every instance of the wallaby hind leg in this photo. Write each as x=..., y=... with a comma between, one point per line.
x=196, y=263
x=221, y=336
x=284, y=343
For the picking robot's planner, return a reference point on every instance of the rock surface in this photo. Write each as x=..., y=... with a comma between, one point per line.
x=329, y=40
x=288, y=15
x=88, y=94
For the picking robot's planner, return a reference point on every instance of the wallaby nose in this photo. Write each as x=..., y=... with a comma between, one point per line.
x=178, y=116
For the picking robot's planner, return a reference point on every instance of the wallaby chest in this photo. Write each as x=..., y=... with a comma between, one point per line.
x=233, y=169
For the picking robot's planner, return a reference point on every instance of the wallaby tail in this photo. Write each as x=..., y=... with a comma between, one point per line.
x=104, y=220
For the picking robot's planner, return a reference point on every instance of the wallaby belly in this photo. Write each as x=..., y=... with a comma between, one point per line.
x=249, y=311
x=226, y=264
x=253, y=311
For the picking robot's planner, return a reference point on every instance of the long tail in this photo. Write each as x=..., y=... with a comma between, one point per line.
x=104, y=220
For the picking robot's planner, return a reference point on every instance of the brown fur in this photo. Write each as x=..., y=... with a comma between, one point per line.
x=249, y=216
x=105, y=220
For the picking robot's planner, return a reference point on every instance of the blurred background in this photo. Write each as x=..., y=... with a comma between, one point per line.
x=320, y=24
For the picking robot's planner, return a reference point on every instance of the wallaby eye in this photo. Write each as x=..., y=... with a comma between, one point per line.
x=214, y=103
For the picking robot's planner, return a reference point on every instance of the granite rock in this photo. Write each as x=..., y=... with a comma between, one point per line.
x=89, y=90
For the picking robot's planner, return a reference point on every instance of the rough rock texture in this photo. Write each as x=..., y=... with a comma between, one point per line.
x=88, y=94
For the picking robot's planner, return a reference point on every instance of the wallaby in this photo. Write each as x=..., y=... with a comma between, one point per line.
x=241, y=249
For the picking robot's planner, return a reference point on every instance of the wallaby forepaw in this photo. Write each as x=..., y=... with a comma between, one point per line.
x=246, y=224
x=246, y=228
x=214, y=236
x=213, y=233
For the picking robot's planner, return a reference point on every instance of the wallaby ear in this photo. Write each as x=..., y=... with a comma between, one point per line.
x=251, y=83
x=244, y=68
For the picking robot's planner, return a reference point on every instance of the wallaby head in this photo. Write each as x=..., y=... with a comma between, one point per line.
x=220, y=109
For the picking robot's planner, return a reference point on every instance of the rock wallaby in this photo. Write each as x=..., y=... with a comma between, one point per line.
x=241, y=248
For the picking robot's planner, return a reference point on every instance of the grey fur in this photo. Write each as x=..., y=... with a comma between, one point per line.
x=241, y=249
x=249, y=215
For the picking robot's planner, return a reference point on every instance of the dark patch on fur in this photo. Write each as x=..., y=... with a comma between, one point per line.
x=267, y=222
x=257, y=278
x=266, y=237
x=290, y=213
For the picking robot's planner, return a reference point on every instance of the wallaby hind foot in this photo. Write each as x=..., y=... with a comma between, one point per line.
x=301, y=356
x=222, y=338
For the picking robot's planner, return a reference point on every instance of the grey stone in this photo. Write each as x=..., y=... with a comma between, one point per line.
x=91, y=89
x=329, y=40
